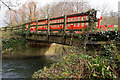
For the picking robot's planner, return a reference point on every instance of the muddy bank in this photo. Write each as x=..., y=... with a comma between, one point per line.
x=11, y=57
x=32, y=51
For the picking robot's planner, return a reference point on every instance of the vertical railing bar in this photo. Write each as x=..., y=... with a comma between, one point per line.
x=36, y=26
x=64, y=29
x=28, y=27
x=48, y=29
x=17, y=28
x=64, y=26
x=5, y=29
x=11, y=28
x=23, y=28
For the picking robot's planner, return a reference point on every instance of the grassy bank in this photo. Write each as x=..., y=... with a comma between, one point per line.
x=78, y=64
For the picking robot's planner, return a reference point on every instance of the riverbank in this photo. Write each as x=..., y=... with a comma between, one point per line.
x=15, y=46
x=18, y=48
x=70, y=63
x=78, y=64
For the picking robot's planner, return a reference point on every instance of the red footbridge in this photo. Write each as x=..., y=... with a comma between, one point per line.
x=63, y=29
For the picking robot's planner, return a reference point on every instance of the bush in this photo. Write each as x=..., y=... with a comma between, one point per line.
x=81, y=66
x=10, y=44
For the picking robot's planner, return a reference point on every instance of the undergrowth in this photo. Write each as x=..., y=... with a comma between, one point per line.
x=82, y=65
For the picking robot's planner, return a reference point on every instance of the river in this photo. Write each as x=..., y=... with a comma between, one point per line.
x=23, y=68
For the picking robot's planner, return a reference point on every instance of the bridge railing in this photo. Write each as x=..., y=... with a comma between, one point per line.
x=67, y=23
x=11, y=28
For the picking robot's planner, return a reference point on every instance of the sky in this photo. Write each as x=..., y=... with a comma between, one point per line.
x=112, y=5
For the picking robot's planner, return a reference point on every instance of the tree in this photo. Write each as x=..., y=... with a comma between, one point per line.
x=9, y=4
x=109, y=17
x=32, y=12
x=45, y=11
x=9, y=18
x=28, y=12
x=82, y=6
x=64, y=8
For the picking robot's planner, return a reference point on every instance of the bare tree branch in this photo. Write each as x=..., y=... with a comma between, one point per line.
x=5, y=4
x=9, y=4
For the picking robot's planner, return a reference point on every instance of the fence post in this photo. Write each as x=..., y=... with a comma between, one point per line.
x=64, y=29
x=28, y=27
x=23, y=28
x=5, y=29
x=64, y=26
x=36, y=26
x=11, y=28
x=48, y=29
x=17, y=28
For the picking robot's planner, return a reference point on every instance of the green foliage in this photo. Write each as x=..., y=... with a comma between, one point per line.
x=104, y=65
x=80, y=66
x=83, y=65
x=8, y=45
x=101, y=67
x=20, y=33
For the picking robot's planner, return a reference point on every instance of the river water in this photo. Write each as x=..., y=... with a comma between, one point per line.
x=23, y=68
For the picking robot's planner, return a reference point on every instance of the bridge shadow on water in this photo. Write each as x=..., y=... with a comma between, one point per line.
x=28, y=51
x=29, y=58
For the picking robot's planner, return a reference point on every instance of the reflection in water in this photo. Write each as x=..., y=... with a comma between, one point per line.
x=23, y=68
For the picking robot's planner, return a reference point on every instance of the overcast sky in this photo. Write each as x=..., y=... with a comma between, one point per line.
x=112, y=4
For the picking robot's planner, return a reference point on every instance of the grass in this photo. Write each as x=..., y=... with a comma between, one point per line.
x=80, y=65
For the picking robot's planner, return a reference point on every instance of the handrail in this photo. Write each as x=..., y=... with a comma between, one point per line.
x=91, y=18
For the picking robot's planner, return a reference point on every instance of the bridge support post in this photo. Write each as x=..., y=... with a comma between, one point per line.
x=23, y=27
x=92, y=20
x=64, y=28
x=48, y=29
x=36, y=26
x=28, y=28
x=11, y=29
x=18, y=27
x=5, y=29
x=24, y=30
